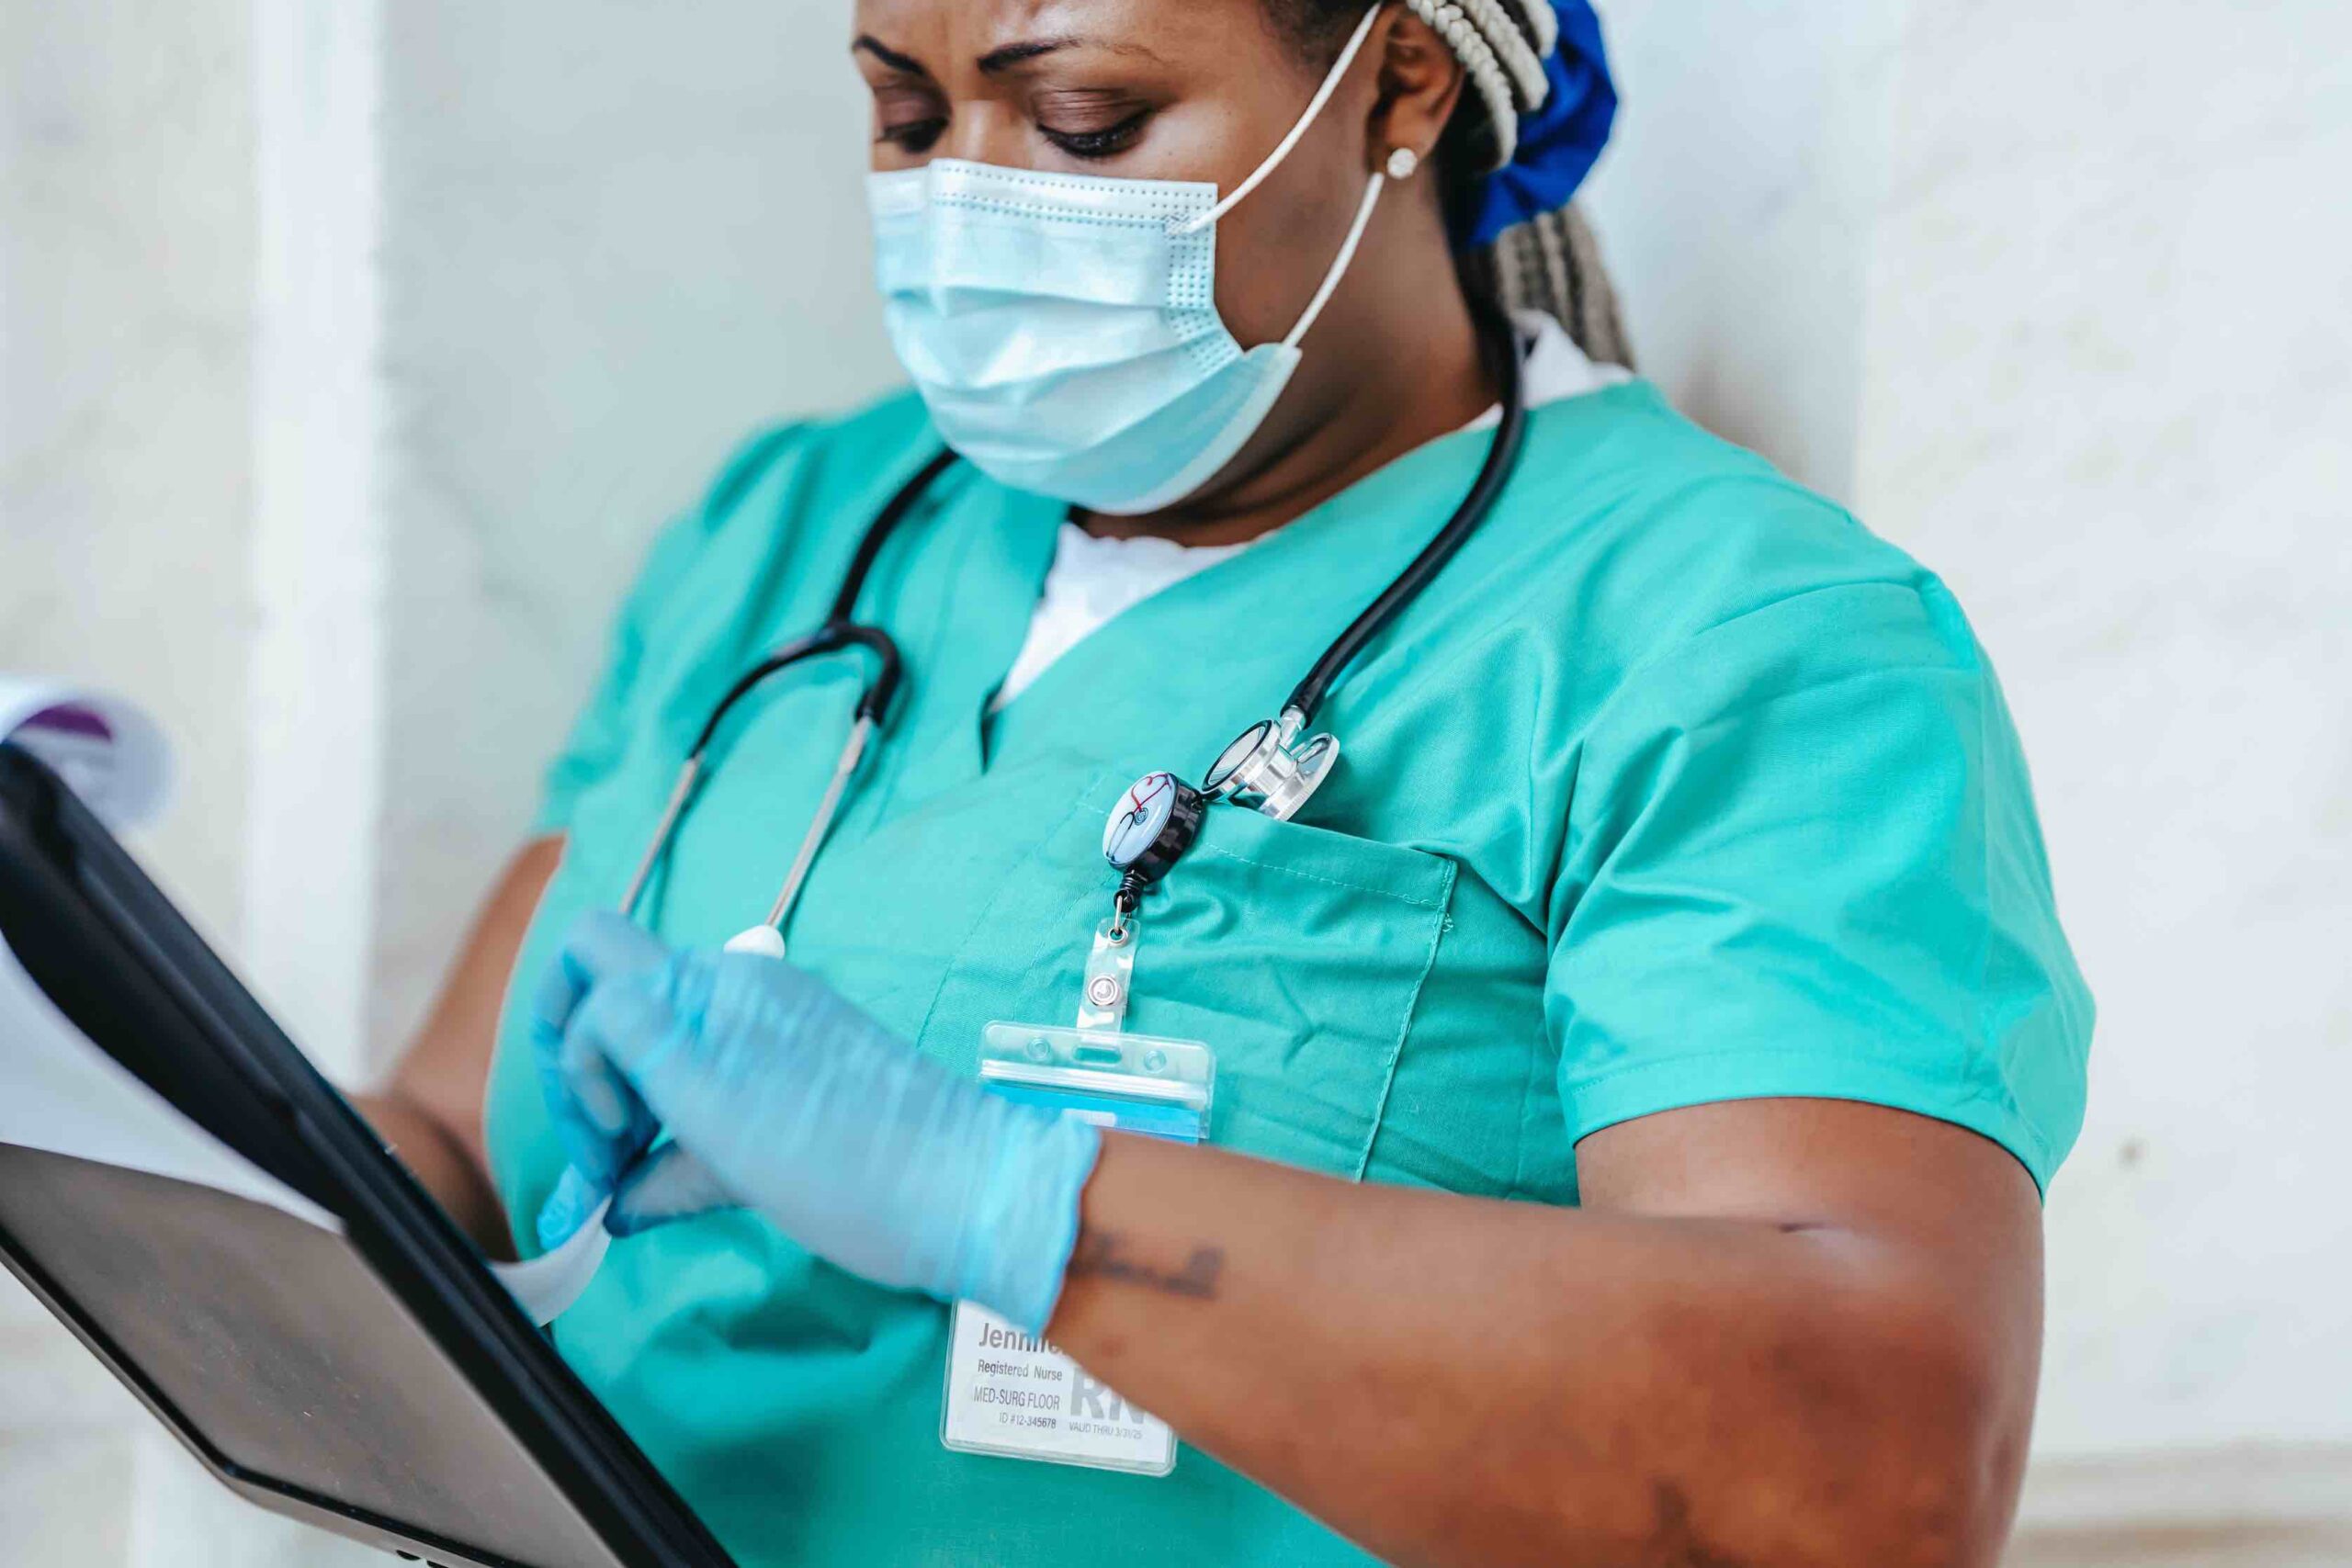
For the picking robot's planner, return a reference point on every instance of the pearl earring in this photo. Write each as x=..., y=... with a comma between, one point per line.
x=1402, y=163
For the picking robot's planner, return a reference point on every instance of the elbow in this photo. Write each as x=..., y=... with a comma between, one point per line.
x=1856, y=1424
x=1925, y=1437
x=1848, y=1418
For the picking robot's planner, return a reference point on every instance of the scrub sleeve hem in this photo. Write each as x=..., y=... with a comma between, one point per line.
x=1651, y=1087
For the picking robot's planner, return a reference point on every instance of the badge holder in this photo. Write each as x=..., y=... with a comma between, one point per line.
x=1015, y=1394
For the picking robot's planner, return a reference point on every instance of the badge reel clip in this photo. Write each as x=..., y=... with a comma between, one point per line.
x=1015, y=1394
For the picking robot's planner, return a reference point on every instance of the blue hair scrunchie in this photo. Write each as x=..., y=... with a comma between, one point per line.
x=1558, y=144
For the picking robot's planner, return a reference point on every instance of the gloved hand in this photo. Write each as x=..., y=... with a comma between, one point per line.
x=779, y=1095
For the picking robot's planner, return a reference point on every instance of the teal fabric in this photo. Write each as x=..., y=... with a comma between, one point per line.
x=1676, y=786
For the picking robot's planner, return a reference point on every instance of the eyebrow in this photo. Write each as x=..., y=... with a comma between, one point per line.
x=998, y=60
x=888, y=56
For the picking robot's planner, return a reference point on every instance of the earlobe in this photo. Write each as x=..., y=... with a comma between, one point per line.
x=1420, y=82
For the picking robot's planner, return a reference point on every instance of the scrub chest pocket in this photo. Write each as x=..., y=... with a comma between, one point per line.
x=1297, y=954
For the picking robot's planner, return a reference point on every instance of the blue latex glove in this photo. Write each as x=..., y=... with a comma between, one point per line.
x=778, y=1094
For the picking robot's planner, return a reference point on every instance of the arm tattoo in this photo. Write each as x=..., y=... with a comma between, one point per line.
x=1104, y=1254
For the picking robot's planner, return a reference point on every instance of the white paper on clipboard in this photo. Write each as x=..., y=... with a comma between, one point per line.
x=61, y=1094
x=107, y=752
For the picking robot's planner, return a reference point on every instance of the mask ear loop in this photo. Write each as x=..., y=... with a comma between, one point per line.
x=1372, y=189
x=1339, y=268
x=1314, y=106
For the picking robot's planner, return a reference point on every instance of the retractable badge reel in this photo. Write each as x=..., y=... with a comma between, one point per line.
x=1268, y=769
x=1014, y=1394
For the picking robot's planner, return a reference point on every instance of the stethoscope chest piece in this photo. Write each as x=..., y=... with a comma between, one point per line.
x=1269, y=769
x=761, y=942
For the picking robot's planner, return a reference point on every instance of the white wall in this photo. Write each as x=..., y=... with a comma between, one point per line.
x=2108, y=391
x=125, y=485
x=2056, y=295
x=1738, y=203
x=2051, y=289
x=126, y=471
x=614, y=247
x=135, y=480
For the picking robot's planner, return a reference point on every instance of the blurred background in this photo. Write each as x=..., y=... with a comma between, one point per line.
x=351, y=352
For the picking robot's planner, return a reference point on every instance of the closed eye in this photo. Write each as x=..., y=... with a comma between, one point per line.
x=915, y=136
x=1105, y=141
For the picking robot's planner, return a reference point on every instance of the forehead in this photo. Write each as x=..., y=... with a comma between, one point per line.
x=1232, y=30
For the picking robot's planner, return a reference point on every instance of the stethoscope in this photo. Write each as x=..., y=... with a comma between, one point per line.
x=1273, y=767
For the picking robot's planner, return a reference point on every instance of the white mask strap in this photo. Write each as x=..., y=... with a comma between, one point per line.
x=1314, y=106
x=1339, y=268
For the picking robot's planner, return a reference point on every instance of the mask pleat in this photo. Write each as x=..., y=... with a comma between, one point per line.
x=1063, y=328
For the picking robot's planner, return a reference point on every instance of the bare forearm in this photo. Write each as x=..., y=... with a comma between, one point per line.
x=443, y=1165
x=1451, y=1380
x=430, y=1110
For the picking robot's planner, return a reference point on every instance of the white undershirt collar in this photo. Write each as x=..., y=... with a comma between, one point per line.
x=1094, y=580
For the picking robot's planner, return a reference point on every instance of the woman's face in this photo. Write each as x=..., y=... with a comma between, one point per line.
x=1150, y=89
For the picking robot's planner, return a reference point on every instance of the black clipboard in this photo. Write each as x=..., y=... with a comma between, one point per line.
x=377, y=1383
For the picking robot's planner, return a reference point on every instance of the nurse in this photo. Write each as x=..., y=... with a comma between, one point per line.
x=1636, y=1063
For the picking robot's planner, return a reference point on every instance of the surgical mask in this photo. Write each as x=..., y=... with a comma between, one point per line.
x=1063, y=329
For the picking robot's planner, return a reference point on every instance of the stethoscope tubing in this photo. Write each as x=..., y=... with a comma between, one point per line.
x=839, y=632
x=1498, y=342
x=873, y=703
x=877, y=533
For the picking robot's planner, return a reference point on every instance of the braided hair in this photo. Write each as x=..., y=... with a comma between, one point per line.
x=1549, y=262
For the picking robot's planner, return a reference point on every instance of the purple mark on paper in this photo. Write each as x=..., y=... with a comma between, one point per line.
x=70, y=719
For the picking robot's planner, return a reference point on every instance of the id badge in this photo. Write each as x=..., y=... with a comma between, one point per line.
x=1014, y=1394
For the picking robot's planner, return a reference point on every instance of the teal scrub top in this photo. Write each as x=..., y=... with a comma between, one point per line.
x=1677, y=785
